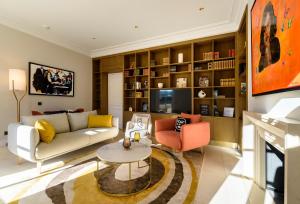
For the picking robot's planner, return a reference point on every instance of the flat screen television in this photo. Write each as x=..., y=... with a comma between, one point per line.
x=171, y=101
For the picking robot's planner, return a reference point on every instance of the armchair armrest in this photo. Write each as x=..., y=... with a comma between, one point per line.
x=165, y=124
x=194, y=135
x=115, y=122
x=22, y=140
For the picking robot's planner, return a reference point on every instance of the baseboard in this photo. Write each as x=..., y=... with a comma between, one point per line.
x=3, y=141
x=224, y=144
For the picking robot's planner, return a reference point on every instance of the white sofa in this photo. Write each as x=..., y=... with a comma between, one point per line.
x=72, y=133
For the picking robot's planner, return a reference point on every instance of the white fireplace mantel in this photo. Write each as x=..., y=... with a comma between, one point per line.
x=281, y=133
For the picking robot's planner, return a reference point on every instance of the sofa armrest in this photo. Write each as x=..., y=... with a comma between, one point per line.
x=115, y=122
x=194, y=135
x=165, y=124
x=22, y=140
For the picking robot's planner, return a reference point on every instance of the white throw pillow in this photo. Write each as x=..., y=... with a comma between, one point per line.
x=79, y=120
x=59, y=121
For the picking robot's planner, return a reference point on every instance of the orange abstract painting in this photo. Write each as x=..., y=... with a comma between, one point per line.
x=275, y=46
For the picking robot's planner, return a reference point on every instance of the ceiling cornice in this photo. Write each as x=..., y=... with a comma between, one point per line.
x=227, y=26
x=231, y=25
x=17, y=26
x=200, y=32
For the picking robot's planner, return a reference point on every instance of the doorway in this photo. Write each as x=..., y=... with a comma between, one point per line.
x=115, y=96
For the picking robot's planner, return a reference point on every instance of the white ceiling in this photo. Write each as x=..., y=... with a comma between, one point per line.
x=73, y=23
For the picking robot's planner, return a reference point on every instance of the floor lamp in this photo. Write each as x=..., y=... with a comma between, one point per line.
x=17, y=82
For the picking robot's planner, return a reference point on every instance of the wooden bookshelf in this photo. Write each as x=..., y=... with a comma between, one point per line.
x=216, y=58
x=96, y=84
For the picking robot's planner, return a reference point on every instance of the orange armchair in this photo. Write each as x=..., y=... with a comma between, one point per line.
x=192, y=136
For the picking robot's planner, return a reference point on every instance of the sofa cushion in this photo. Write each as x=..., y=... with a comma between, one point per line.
x=63, y=143
x=96, y=121
x=99, y=134
x=59, y=121
x=169, y=138
x=79, y=120
x=46, y=130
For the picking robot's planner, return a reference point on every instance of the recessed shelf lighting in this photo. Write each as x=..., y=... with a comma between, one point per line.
x=201, y=9
x=94, y=38
x=136, y=27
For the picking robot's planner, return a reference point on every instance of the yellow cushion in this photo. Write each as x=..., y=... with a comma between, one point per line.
x=100, y=121
x=46, y=130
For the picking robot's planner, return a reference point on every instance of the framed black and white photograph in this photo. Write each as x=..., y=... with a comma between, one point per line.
x=50, y=81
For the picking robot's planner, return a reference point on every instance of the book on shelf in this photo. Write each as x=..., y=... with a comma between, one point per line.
x=165, y=60
x=173, y=69
x=145, y=71
x=204, y=109
x=223, y=64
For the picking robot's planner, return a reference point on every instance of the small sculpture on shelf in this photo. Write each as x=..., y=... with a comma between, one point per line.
x=201, y=94
x=130, y=109
x=145, y=84
x=203, y=81
x=144, y=107
x=216, y=111
x=138, y=85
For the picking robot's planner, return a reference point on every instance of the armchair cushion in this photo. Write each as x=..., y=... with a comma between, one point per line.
x=180, y=121
x=195, y=118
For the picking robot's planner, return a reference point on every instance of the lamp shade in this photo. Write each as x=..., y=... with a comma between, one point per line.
x=17, y=79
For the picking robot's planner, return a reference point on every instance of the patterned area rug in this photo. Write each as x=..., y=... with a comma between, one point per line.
x=174, y=179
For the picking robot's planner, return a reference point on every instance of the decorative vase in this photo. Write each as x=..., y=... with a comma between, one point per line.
x=160, y=85
x=201, y=94
x=138, y=85
x=126, y=143
x=130, y=109
x=180, y=57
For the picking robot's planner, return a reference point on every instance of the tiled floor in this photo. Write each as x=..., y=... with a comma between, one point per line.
x=220, y=178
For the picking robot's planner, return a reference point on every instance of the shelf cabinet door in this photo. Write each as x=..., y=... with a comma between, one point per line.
x=224, y=129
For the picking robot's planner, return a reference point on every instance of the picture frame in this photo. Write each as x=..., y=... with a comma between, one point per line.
x=228, y=112
x=274, y=27
x=181, y=82
x=46, y=80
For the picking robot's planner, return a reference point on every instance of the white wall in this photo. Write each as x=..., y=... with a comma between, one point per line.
x=266, y=103
x=16, y=50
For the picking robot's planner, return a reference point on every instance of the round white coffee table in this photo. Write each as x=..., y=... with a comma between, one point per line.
x=115, y=153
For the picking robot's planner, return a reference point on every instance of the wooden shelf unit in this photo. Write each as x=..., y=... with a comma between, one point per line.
x=96, y=84
x=162, y=66
x=139, y=72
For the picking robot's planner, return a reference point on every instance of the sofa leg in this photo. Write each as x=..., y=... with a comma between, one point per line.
x=39, y=166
